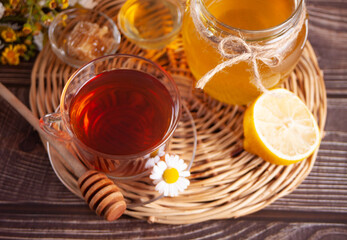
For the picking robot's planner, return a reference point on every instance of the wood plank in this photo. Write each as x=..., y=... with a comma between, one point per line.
x=328, y=36
x=79, y=226
x=16, y=75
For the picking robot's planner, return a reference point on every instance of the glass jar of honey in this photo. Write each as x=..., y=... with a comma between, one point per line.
x=279, y=27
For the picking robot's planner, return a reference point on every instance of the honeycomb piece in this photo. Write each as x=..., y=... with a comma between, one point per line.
x=88, y=41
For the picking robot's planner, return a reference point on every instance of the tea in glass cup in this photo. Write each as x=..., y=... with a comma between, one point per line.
x=116, y=111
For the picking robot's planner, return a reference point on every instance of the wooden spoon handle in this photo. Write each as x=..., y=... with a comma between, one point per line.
x=102, y=195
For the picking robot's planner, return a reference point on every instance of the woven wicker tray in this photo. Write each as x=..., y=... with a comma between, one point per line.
x=226, y=181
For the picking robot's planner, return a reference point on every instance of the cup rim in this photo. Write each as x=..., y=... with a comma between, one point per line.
x=169, y=132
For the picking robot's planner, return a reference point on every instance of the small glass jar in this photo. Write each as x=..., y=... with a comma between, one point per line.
x=151, y=24
x=235, y=84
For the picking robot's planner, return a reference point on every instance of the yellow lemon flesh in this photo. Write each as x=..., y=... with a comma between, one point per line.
x=279, y=128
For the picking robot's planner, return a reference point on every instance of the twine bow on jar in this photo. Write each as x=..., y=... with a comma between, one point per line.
x=236, y=49
x=241, y=51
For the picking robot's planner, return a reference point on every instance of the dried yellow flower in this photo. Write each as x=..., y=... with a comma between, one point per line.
x=21, y=49
x=27, y=29
x=52, y=4
x=9, y=35
x=10, y=56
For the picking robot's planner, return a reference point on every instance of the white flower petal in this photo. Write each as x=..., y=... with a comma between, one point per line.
x=170, y=164
x=161, y=151
x=161, y=186
x=167, y=193
x=184, y=174
x=171, y=161
x=162, y=165
x=166, y=190
x=177, y=158
x=181, y=186
x=167, y=158
x=156, y=176
x=183, y=183
x=173, y=190
x=182, y=166
x=159, y=168
x=151, y=162
x=157, y=172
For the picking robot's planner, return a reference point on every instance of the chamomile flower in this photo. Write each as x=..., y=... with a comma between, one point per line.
x=159, y=152
x=169, y=176
x=154, y=157
x=21, y=49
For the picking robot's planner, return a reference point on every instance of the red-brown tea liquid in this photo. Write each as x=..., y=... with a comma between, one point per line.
x=121, y=112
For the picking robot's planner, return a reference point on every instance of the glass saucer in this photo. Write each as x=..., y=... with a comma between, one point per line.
x=137, y=190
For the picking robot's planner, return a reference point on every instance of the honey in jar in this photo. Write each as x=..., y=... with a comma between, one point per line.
x=151, y=24
x=257, y=22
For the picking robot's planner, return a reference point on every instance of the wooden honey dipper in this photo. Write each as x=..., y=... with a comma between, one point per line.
x=101, y=194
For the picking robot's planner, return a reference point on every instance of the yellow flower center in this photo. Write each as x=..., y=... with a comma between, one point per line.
x=11, y=54
x=9, y=34
x=170, y=175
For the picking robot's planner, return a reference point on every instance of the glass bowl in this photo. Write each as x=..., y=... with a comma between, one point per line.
x=151, y=24
x=78, y=36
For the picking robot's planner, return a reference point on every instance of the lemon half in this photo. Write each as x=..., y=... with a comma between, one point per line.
x=279, y=128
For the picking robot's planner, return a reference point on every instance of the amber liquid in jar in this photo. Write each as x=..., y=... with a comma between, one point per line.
x=235, y=84
x=151, y=24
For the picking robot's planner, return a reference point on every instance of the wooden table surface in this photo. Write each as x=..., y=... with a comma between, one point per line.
x=34, y=204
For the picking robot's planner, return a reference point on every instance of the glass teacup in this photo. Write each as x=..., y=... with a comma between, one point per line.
x=116, y=112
